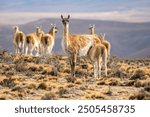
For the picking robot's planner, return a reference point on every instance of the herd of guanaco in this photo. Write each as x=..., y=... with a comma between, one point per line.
x=95, y=47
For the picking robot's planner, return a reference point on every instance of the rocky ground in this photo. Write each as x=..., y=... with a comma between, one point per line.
x=25, y=77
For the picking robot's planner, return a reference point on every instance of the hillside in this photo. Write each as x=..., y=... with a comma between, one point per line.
x=27, y=77
x=127, y=39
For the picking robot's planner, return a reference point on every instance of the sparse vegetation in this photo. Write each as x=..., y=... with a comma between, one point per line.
x=27, y=77
x=141, y=95
x=49, y=96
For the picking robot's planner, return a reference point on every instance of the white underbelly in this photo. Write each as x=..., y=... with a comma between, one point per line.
x=83, y=51
x=36, y=44
x=64, y=46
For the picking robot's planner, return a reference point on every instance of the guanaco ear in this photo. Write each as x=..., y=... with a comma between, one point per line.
x=52, y=25
x=62, y=17
x=68, y=16
x=94, y=25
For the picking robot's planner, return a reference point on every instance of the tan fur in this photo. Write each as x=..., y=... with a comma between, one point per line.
x=106, y=43
x=102, y=39
x=105, y=51
x=18, y=40
x=75, y=45
x=30, y=39
x=33, y=42
x=98, y=53
x=80, y=41
x=47, y=41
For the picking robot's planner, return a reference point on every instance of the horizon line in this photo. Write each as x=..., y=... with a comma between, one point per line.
x=25, y=17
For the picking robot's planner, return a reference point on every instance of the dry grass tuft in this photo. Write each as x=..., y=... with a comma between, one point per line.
x=3, y=97
x=130, y=83
x=146, y=83
x=114, y=81
x=95, y=96
x=8, y=83
x=69, y=85
x=70, y=79
x=21, y=67
x=2, y=77
x=138, y=83
x=54, y=72
x=147, y=88
x=142, y=83
x=67, y=70
x=49, y=96
x=18, y=88
x=138, y=74
x=101, y=83
x=32, y=85
x=78, y=81
x=141, y=95
x=109, y=92
x=62, y=91
x=83, y=88
x=43, y=86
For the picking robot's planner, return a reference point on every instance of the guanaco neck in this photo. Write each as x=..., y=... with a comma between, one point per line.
x=66, y=34
x=52, y=32
x=38, y=31
x=102, y=38
x=92, y=31
x=15, y=32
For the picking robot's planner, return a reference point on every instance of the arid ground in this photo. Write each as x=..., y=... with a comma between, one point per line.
x=36, y=78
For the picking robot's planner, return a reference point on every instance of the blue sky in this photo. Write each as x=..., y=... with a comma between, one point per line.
x=73, y=5
x=23, y=11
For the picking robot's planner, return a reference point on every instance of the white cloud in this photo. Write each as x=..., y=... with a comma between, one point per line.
x=125, y=16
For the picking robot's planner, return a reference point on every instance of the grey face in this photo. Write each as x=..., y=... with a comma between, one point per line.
x=65, y=20
x=16, y=28
x=56, y=29
x=90, y=27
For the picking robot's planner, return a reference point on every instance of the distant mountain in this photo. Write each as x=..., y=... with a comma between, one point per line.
x=127, y=39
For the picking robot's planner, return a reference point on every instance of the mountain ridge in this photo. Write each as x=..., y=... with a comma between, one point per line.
x=126, y=38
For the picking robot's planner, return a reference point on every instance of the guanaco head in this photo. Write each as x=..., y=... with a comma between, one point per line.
x=16, y=28
x=92, y=28
x=54, y=28
x=65, y=20
x=38, y=29
x=39, y=32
